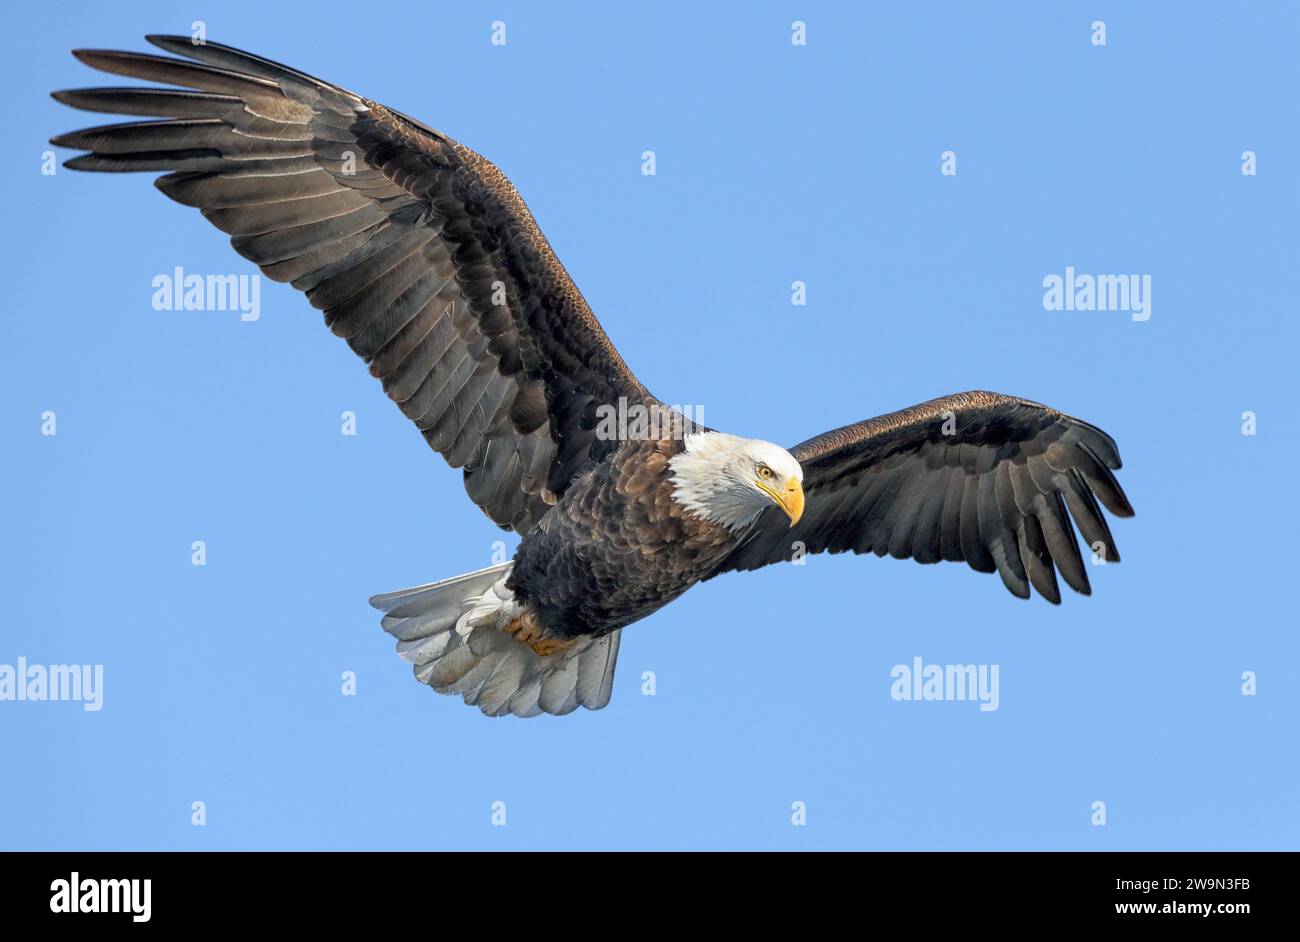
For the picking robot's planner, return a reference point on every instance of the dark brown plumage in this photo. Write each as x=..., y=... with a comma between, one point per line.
x=419, y=251
x=424, y=258
x=598, y=562
x=976, y=477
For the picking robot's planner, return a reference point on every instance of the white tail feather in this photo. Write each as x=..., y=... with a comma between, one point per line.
x=451, y=631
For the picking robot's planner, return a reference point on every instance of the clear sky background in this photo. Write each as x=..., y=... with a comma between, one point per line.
x=775, y=163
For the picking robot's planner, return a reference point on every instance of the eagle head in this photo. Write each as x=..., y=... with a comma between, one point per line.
x=729, y=480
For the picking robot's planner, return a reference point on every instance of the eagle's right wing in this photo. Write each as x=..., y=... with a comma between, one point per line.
x=977, y=477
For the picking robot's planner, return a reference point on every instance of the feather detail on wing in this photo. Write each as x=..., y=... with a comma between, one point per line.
x=978, y=477
x=420, y=253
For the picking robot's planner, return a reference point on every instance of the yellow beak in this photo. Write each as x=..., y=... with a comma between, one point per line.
x=790, y=499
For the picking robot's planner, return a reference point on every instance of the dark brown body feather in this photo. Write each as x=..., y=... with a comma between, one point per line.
x=616, y=547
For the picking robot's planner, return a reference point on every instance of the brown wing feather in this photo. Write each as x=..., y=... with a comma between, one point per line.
x=419, y=251
x=989, y=479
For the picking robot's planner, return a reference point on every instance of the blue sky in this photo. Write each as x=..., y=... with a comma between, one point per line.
x=775, y=163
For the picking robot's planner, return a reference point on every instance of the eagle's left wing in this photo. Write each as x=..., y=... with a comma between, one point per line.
x=420, y=252
x=976, y=476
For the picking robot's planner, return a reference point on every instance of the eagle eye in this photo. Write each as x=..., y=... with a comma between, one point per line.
x=764, y=471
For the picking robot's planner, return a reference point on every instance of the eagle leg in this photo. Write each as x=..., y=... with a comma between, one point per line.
x=526, y=630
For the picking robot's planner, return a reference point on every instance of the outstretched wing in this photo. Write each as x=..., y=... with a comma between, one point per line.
x=977, y=476
x=419, y=251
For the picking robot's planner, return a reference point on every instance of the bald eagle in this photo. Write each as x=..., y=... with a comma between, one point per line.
x=427, y=262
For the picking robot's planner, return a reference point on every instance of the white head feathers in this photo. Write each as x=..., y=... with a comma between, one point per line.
x=729, y=480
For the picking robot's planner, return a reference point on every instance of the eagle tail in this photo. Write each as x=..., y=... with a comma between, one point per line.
x=453, y=632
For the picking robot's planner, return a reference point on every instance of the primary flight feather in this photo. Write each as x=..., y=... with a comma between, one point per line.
x=427, y=262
